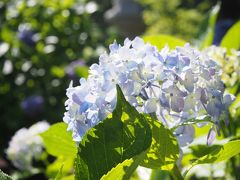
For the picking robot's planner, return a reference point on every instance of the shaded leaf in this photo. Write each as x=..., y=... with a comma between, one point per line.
x=160, y=174
x=164, y=150
x=202, y=150
x=123, y=135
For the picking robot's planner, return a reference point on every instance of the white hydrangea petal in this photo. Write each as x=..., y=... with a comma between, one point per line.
x=185, y=135
x=177, y=103
x=150, y=106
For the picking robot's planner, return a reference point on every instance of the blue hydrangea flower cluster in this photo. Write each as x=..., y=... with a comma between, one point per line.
x=176, y=85
x=25, y=145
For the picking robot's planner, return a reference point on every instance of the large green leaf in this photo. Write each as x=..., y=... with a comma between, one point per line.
x=58, y=142
x=164, y=150
x=219, y=153
x=122, y=136
x=125, y=169
x=4, y=176
x=64, y=164
x=59, y=174
x=209, y=35
x=232, y=38
x=201, y=150
x=160, y=41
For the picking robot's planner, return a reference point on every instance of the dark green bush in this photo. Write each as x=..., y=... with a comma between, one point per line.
x=38, y=39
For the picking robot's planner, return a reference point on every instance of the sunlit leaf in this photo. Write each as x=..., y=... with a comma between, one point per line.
x=59, y=174
x=82, y=71
x=57, y=71
x=219, y=153
x=232, y=38
x=235, y=107
x=125, y=169
x=58, y=142
x=209, y=35
x=160, y=41
x=64, y=162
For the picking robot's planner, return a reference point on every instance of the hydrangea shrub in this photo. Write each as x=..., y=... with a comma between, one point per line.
x=141, y=110
x=26, y=145
x=174, y=86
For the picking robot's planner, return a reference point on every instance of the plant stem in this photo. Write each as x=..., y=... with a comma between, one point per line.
x=191, y=121
x=176, y=173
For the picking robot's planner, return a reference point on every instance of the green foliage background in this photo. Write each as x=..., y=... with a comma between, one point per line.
x=185, y=19
x=80, y=35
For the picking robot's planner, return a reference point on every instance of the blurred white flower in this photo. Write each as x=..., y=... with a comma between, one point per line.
x=143, y=173
x=216, y=170
x=7, y=67
x=25, y=145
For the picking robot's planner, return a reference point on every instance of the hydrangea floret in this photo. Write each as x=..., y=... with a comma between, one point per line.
x=229, y=62
x=26, y=145
x=177, y=86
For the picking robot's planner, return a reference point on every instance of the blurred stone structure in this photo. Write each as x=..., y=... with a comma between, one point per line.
x=127, y=16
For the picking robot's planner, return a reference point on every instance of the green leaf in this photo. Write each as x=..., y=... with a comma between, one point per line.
x=235, y=107
x=162, y=40
x=218, y=153
x=202, y=150
x=232, y=38
x=57, y=71
x=209, y=35
x=53, y=169
x=58, y=142
x=70, y=177
x=81, y=169
x=59, y=174
x=82, y=71
x=164, y=150
x=125, y=169
x=123, y=135
x=160, y=174
x=206, y=119
x=4, y=176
